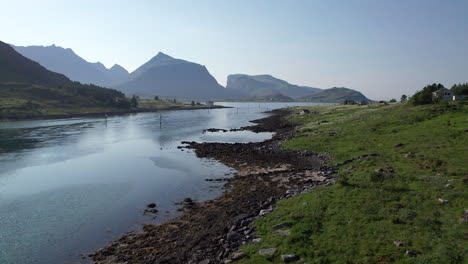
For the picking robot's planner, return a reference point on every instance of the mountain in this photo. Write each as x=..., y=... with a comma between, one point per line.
x=27, y=89
x=335, y=95
x=16, y=68
x=164, y=75
x=67, y=62
x=265, y=98
x=264, y=85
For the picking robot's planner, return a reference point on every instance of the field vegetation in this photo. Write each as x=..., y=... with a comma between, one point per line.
x=403, y=204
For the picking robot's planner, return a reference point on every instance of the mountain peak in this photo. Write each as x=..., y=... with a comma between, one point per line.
x=161, y=55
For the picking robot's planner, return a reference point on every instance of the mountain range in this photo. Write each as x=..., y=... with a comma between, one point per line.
x=67, y=62
x=27, y=89
x=265, y=85
x=166, y=76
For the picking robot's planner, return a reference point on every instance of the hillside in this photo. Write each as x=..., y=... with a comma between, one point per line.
x=166, y=76
x=265, y=98
x=403, y=204
x=67, y=62
x=27, y=89
x=335, y=95
x=265, y=85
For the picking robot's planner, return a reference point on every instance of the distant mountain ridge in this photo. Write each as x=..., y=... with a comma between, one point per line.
x=265, y=85
x=164, y=75
x=28, y=89
x=67, y=62
x=15, y=68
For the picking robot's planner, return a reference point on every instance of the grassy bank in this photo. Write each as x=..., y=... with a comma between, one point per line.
x=383, y=200
x=12, y=108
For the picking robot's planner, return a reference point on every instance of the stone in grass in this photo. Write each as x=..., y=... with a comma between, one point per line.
x=238, y=256
x=289, y=258
x=267, y=251
x=398, y=243
x=442, y=201
x=284, y=232
x=286, y=224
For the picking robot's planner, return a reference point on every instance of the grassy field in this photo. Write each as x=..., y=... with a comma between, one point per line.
x=382, y=200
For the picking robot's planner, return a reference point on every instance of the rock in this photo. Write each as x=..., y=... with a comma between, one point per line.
x=398, y=145
x=233, y=236
x=238, y=256
x=265, y=212
x=256, y=240
x=289, y=258
x=410, y=253
x=448, y=186
x=151, y=205
x=267, y=251
x=464, y=217
x=284, y=232
x=442, y=201
x=206, y=261
x=286, y=224
x=399, y=243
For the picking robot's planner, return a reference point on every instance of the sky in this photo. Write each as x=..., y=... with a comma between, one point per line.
x=382, y=48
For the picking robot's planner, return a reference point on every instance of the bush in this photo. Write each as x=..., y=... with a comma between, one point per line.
x=425, y=96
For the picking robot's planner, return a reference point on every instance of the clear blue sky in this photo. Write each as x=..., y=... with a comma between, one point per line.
x=383, y=48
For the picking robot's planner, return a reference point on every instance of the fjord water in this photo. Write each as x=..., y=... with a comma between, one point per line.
x=70, y=186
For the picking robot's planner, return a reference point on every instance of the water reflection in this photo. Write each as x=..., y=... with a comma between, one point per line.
x=69, y=186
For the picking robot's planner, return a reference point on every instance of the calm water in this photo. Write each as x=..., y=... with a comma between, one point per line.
x=70, y=186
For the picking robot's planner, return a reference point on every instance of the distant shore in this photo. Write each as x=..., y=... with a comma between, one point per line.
x=110, y=113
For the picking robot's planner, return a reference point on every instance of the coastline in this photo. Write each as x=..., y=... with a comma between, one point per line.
x=111, y=113
x=209, y=232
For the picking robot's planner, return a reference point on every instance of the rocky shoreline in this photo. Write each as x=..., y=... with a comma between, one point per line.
x=210, y=232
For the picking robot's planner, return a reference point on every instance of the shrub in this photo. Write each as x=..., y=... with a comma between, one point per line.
x=425, y=95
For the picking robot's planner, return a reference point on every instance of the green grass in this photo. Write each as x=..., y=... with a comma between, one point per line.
x=357, y=219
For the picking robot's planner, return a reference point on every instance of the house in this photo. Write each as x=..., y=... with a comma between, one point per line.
x=209, y=103
x=443, y=94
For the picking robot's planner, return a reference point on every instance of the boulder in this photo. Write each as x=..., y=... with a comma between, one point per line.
x=267, y=251
x=282, y=225
x=284, y=232
x=289, y=258
x=151, y=205
x=238, y=256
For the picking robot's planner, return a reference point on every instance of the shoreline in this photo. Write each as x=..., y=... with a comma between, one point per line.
x=209, y=232
x=115, y=113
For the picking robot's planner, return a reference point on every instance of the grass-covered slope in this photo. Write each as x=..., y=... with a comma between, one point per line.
x=335, y=95
x=382, y=200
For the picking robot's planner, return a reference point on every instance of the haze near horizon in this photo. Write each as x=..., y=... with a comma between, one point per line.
x=380, y=48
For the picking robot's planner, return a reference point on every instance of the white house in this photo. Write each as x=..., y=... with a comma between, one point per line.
x=444, y=94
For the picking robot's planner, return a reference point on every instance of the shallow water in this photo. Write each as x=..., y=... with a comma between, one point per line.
x=70, y=186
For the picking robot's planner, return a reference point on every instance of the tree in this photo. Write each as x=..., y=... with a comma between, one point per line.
x=393, y=100
x=404, y=98
x=156, y=98
x=175, y=101
x=425, y=95
x=134, y=101
x=460, y=89
x=193, y=103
